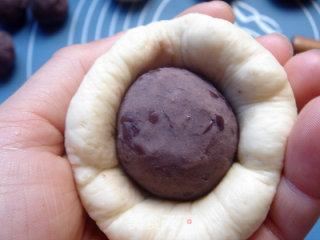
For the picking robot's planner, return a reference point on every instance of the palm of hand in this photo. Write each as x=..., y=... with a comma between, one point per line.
x=38, y=197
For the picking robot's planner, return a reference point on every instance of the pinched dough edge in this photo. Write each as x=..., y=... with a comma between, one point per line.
x=251, y=79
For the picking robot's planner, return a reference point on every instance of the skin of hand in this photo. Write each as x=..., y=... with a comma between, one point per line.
x=38, y=197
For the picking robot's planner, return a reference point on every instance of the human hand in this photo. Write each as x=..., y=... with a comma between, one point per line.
x=38, y=197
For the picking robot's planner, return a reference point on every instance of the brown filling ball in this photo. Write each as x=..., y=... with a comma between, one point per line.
x=7, y=54
x=13, y=12
x=177, y=135
x=49, y=13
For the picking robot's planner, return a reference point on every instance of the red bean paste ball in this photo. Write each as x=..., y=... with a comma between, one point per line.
x=13, y=12
x=176, y=134
x=7, y=53
x=49, y=13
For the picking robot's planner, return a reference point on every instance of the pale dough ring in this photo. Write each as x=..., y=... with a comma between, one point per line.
x=251, y=79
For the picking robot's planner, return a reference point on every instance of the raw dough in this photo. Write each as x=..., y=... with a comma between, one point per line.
x=250, y=78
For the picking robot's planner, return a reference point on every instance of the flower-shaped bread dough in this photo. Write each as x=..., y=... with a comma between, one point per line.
x=250, y=78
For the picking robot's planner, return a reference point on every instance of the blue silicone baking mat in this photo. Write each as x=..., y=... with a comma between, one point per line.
x=94, y=19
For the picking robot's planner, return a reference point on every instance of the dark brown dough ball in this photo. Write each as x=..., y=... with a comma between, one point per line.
x=177, y=135
x=49, y=13
x=7, y=53
x=13, y=12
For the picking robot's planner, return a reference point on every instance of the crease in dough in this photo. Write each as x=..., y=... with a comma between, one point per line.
x=178, y=216
x=242, y=198
x=106, y=201
x=208, y=211
x=85, y=175
x=142, y=221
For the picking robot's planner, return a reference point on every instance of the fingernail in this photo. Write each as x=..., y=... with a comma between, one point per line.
x=286, y=39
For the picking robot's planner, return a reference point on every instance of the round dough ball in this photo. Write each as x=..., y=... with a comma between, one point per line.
x=7, y=53
x=13, y=12
x=252, y=81
x=49, y=13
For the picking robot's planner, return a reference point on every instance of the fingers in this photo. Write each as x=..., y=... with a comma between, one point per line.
x=304, y=75
x=218, y=9
x=296, y=206
x=291, y=216
x=293, y=213
x=302, y=166
x=279, y=45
